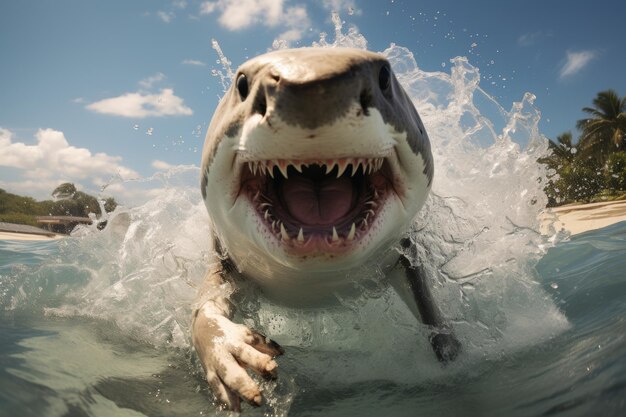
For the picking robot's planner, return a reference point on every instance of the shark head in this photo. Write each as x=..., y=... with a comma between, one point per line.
x=315, y=163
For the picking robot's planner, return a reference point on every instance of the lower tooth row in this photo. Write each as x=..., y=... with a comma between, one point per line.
x=281, y=232
x=300, y=238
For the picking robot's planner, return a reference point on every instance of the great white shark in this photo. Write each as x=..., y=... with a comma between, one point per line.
x=315, y=163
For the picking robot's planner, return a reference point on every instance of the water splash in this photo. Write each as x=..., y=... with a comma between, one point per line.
x=478, y=239
x=352, y=39
x=225, y=75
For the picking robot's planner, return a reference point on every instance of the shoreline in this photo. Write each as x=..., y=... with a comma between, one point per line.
x=28, y=236
x=575, y=219
x=14, y=231
x=579, y=218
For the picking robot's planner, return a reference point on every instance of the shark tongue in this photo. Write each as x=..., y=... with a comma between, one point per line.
x=316, y=201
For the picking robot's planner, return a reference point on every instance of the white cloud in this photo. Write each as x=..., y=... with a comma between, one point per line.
x=193, y=62
x=341, y=6
x=139, y=105
x=38, y=189
x=529, y=39
x=162, y=165
x=180, y=4
x=165, y=16
x=52, y=161
x=152, y=80
x=576, y=61
x=241, y=14
x=297, y=20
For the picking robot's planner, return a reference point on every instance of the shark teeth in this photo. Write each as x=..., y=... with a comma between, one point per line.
x=283, y=233
x=352, y=232
x=334, y=235
x=266, y=167
x=291, y=233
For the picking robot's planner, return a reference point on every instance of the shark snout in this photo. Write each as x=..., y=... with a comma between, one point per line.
x=314, y=100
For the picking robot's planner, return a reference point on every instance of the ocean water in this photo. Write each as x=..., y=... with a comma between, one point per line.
x=98, y=324
x=83, y=364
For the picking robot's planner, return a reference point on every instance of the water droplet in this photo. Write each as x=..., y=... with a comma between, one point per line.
x=350, y=11
x=149, y=131
x=136, y=127
x=554, y=285
x=443, y=65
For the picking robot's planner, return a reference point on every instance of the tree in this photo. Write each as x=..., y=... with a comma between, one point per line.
x=604, y=131
x=69, y=202
x=110, y=204
x=562, y=152
x=616, y=172
x=65, y=190
x=560, y=161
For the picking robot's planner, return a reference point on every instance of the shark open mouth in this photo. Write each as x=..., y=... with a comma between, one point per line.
x=311, y=204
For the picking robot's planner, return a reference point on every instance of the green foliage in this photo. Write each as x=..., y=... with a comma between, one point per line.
x=18, y=218
x=65, y=190
x=80, y=205
x=578, y=181
x=581, y=183
x=110, y=204
x=604, y=131
x=22, y=210
x=595, y=168
x=616, y=172
x=12, y=203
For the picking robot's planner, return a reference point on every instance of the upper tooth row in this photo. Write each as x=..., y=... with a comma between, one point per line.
x=368, y=165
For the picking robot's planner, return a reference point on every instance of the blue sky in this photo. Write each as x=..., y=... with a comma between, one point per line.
x=94, y=89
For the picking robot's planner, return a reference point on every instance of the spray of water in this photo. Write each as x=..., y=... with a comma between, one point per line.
x=478, y=239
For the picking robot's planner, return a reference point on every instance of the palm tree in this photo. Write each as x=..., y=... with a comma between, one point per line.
x=563, y=152
x=604, y=131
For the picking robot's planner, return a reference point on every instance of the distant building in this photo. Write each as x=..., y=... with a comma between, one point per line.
x=61, y=224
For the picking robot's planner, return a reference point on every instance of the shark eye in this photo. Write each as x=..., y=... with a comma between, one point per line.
x=384, y=78
x=242, y=86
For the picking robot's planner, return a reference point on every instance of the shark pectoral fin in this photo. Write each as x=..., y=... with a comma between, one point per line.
x=445, y=345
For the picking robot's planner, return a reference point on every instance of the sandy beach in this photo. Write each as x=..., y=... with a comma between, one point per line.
x=27, y=236
x=12, y=231
x=581, y=218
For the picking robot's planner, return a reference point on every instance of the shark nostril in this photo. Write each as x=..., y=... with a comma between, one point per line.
x=384, y=78
x=260, y=105
x=365, y=99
